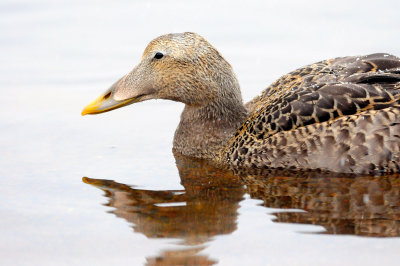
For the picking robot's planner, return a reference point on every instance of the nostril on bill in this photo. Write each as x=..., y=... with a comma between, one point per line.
x=107, y=96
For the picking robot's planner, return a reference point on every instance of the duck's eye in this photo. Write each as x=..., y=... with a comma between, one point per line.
x=158, y=55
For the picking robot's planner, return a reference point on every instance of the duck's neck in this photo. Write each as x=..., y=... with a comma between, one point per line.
x=205, y=130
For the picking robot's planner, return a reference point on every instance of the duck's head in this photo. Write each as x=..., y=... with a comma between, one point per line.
x=181, y=67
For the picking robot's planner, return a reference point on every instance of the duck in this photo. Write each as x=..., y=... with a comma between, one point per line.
x=340, y=115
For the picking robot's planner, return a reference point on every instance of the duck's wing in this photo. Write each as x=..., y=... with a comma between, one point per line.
x=332, y=115
x=325, y=91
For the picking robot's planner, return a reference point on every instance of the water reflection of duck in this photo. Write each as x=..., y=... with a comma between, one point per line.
x=208, y=205
x=340, y=115
x=342, y=204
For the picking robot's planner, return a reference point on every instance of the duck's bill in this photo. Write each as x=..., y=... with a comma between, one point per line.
x=105, y=103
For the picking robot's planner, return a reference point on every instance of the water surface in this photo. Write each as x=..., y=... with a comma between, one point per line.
x=147, y=205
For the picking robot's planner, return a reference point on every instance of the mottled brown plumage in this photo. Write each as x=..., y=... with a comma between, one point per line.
x=340, y=115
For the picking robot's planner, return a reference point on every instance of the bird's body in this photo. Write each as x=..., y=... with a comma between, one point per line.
x=340, y=115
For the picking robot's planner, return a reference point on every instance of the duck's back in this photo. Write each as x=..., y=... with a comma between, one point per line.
x=341, y=115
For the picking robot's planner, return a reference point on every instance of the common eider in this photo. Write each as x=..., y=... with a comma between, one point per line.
x=340, y=115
